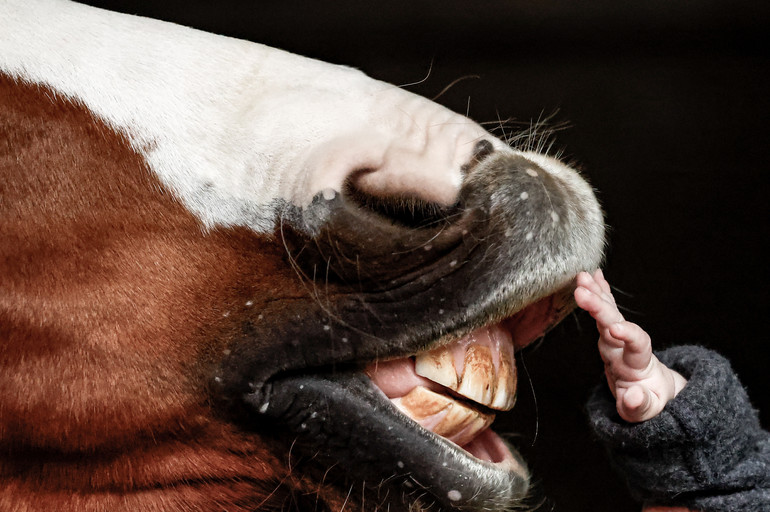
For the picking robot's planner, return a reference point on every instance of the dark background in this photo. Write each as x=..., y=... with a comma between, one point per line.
x=668, y=112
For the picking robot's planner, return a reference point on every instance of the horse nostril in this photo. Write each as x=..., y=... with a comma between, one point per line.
x=482, y=149
x=402, y=210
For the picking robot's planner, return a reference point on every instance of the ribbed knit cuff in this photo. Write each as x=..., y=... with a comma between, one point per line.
x=694, y=446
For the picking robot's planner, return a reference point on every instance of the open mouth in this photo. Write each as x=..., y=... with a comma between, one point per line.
x=454, y=390
x=424, y=419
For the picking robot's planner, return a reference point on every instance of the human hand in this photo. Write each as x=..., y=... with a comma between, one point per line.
x=640, y=383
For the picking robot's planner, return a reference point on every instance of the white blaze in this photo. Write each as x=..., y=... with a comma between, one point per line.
x=231, y=125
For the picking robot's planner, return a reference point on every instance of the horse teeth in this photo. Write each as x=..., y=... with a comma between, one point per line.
x=477, y=382
x=443, y=415
x=437, y=365
x=422, y=405
x=461, y=424
x=505, y=391
x=483, y=380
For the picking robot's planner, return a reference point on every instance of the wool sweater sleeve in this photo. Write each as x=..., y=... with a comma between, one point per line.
x=705, y=450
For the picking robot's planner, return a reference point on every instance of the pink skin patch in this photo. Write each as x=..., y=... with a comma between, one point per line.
x=493, y=337
x=489, y=446
x=533, y=321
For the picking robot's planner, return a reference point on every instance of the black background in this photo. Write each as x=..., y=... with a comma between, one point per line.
x=667, y=106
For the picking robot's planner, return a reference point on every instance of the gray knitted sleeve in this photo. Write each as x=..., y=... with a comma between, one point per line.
x=705, y=451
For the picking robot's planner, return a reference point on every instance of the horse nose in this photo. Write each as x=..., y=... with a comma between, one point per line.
x=414, y=203
x=526, y=211
x=409, y=148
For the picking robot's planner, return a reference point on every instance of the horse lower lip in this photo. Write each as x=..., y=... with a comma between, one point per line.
x=345, y=410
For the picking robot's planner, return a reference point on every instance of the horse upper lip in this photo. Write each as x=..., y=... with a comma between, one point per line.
x=344, y=419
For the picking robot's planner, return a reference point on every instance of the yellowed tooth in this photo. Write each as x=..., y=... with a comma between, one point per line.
x=461, y=424
x=438, y=366
x=443, y=415
x=505, y=391
x=478, y=382
x=421, y=403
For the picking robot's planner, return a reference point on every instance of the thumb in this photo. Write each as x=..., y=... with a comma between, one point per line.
x=635, y=404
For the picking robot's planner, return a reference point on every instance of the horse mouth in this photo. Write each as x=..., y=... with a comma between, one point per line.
x=422, y=422
x=453, y=390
